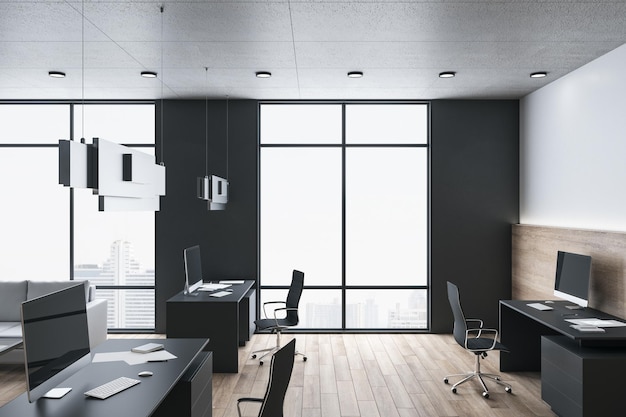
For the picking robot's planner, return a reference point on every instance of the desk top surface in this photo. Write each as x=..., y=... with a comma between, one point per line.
x=238, y=292
x=555, y=319
x=137, y=401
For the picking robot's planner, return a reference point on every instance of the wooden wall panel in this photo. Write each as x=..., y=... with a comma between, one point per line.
x=534, y=250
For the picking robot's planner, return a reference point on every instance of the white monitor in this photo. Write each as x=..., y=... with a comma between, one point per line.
x=193, y=269
x=573, y=272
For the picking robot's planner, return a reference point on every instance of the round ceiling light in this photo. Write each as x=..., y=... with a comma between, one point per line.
x=148, y=74
x=263, y=74
x=355, y=74
x=447, y=74
x=56, y=74
x=539, y=74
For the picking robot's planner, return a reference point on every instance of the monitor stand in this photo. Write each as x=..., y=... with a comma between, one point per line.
x=574, y=307
x=56, y=393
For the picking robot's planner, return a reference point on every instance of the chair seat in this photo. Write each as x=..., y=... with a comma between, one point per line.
x=483, y=344
x=264, y=324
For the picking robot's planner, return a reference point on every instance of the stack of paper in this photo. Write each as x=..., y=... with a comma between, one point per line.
x=212, y=286
x=597, y=322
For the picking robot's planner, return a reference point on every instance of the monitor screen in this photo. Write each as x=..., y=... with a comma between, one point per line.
x=193, y=268
x=573, y=273
x=56, y=339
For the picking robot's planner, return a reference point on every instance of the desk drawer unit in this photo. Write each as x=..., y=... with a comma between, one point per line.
x=580, y=381
x=193, y=394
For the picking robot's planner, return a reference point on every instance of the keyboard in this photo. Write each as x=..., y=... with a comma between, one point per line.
x=539, y=306
x=104, y=391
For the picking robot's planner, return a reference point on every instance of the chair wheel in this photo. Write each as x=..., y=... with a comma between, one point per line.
x=486, y=394
x=508, y=389
x=445, y=380
x=454, y=390
x=253, y=356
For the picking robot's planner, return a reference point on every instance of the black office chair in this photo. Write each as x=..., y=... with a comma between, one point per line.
x=290, y=311
x=280, y=374
x=471, y=339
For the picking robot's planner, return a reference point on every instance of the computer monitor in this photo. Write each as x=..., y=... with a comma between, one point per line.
x=573, y=272
x=56, y=340
x=193, y=269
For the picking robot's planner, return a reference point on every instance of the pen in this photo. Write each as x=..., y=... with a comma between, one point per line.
x=157, y=360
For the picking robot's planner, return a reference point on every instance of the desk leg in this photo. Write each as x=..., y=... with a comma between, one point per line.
x=522, y=336
x=218, y=321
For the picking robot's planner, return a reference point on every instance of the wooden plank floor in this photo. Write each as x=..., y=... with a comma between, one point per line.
x=366, y=375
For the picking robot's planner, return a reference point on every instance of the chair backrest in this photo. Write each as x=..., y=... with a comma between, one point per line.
x=280, y=374
x=460, y=325
x=293, y=296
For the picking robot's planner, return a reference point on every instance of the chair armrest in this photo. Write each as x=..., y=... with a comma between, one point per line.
x=247, y=399
x=473, y=327
x=494, y=332
x=474, y=320
x=282, y=309
x=271, y=302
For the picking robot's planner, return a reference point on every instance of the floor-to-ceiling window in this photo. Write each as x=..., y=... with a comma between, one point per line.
x=344, y=198
x=34, y=213
x=53, y=233
x=115, y=250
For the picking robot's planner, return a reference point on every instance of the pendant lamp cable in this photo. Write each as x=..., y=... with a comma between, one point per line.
x=206, y=121
x=162, y=133
x=82, y=13
x=226, y=138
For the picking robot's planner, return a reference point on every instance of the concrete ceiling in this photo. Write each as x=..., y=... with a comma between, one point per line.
x=308, y=46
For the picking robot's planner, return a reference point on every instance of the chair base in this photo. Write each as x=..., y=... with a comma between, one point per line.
x=272, y=350
x=479, y=376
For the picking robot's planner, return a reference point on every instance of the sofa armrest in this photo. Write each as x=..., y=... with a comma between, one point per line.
x=97, y=321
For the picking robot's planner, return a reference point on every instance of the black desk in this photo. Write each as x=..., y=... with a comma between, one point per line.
x=579, y=371
x=521, y=328
x=227, y=321
x=141, y=400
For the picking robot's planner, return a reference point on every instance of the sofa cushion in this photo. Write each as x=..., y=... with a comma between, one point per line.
x=12, y=294
x=39, y=288
x=11, y=329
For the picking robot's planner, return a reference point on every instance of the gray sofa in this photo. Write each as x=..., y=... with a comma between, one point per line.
x=13, y=293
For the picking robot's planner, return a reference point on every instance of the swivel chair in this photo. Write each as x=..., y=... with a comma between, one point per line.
x=471, y=339
x=272, y=403
x=290, y=311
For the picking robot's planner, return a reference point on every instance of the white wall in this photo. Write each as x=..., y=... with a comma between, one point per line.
x=573, y=148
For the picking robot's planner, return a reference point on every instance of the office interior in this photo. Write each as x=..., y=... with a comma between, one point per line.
x=546, y=164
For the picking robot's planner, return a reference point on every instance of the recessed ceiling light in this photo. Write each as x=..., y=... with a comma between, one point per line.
x=538, y=74
x=355, y=74
x=148, y=74
x=447, y=74
x=263, y=74
x=56, y=74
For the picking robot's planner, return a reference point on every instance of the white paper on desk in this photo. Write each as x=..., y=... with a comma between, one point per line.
x=232, y=281
x=132, y=358
x=220, y=294
x=212, y=286
x=597, y=322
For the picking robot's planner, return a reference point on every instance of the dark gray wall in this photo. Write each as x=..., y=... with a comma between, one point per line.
x=474, y=201
x=227, y=239
x=474, y=196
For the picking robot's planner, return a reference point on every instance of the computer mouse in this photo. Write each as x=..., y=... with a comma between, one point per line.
x=145, y=373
